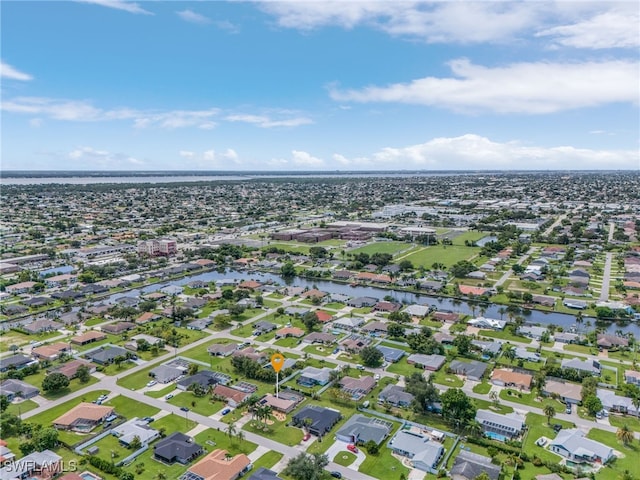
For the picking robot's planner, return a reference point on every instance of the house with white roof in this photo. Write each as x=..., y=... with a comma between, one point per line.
x=487, y=323
x=573, y=445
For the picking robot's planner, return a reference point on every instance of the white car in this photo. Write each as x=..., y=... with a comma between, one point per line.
x=541, y=441
x=151, y=383
x=377, y=376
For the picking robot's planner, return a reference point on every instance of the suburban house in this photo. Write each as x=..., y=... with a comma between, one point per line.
x=135, y=428
x=385, y=306
x=524, y=354
x=427, y=362
x=444, y=338
x=15, y=362
x=177, y=447
x=147, y=317
x=499, y=426
x=13, y=388
x=312, y=376
x=354, y=343
x=418, y=310
x=357, y=387
x=631, y=376
x=205, y=378
x=573, y=445
x=472, y=369
x=423, y=452
x=290, y=332
x=230, y=395
x=219, y=465
x=487, y=323
x=348, y=323
x=616, y=403
x=70, y=369
x=285, y=402
x=586, y=365
x=508, y=378
x=534, y=332
x=363, y=429
x=375, y=327
x=41, y=465
x=250, y=353
x=395, y=395
x=40, y=326
x=361, y=302
x=320, y=337
x=565, y=391
x=118, y=328
x=83, y=418
x=166, y=373
x=88, y=337
x=323, y=317
x=488, y=348
x=605, y=341
x=469, y=466
x=321, y=419
x=50, y=352
x=391, y=355
x=565, y=337
x=106, y=355
x=222, y=350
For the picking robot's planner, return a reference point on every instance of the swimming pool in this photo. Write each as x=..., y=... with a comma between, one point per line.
x=496, y=436
x=89, y=476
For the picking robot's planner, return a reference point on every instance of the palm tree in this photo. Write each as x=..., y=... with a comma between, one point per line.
x=240, y=436
x=231, y=429
x=160, y=476
x=625, y=435
x=474, y=428
x=266, y=413
x=510, y=354
x=549, y=412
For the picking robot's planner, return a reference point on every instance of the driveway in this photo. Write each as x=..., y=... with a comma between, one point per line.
x=340, y=446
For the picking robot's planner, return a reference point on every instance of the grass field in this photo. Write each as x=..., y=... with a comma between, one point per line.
x=138, y=379
x=445, y=254
x=267, y=460
x=471, y=236
x=22, y=407
x=616, y=469
x=344, y=458
x=381, y=247
x=202, y=405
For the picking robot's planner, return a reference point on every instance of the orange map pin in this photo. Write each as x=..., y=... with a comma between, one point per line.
x=277, y=361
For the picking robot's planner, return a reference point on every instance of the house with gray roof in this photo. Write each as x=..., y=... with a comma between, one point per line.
x=37, y=463
x=135, y=428
x=321, y=419
x=177, y=447
x=362, y=429
x=361, y=302
x=222, y=350
x=567, y=392
x=15, y=361
x=427, y=362
x=489, y=348
x=312, y=376
x=206, y=379
x=586, y=365
x=573, y=445
x=469, y=466
x=296, y=311
x=526, y=355
x=348, y=323
x=423, y=452
x=472, y=369
x=616, y=403
x=13, y=388
x=417, y=310
x=264, y=474
x=532, y=331
x=106, y=355
x=390, y=354
x=263, y=327
x=166, y=373
x=510, y=425
x=319, y=337
x=395, y=395
x=565, y=337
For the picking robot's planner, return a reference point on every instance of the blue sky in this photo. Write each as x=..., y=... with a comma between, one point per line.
x=116, y=85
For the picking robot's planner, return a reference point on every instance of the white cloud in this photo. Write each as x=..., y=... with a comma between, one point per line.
x=12, y=73
x=35, y=122
x=83, y=111
x=227, y=26
x=266, y=122
x=533, y=88
x=193, y=17
x=463, y=22
x=469, y=152
x=187, y=154
x=89, y=157
x=617, y=28
x=131, y=7
x=304, y=159
x=210, y=156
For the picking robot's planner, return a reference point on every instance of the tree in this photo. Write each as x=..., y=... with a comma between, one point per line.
x=625, y=435
x=307, y=467
x=483, y=476
x=310, y=321
x=592, y=404
x=55, y=382
x=135, y=443
x=288, y=270
x=395, y=330
x=83, y=374
x=231, y=429
x=193, y=369
x=372, y=447
x=371, y=356
x=549, y=412
x=4, y=403
x=463, y=344
x=10, y=425
x=510, y=354
x=457, y=407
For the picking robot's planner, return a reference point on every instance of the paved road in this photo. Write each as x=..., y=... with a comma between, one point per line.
x=520, y=261
x=612, y=229
x=548, y=231
x=606, y=278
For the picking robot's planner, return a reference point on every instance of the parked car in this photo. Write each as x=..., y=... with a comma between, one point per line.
x=557, y=427
x=184, y=409
x=336, y=474
x=225, y=411
x=568, y=409
x=376, y=376
x=169, y=397
x=541, y=441
x=599, y=415
x=306, y=437
x=604, y=413
x=360, y=367
x=151, y=383
x=148, y=419
x=352, y=448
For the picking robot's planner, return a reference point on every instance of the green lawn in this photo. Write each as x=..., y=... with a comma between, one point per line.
x=22, y=407
x=74, y=385
x=618, y=421
x=446, y=254
x=482, y=404
x=175, y=423
x=111, y=449
x=334, y=306
x=384, y=465
x=344, y=458
x=200, y=352
x=470, y=236
x=151, y=468
x=288, y=342
x=162, y=392
x=628, y=462
x=530, y=399
x=444, y=378
x=381, y=247
x=131, y=408
x=138, y=379
x=482, y=388
x=323, y=351
x=503, y=335
x=202, y=405
x=580, y=349
x=220, y=439
x=267, y=460
x=277, y=431
x=401, y=367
